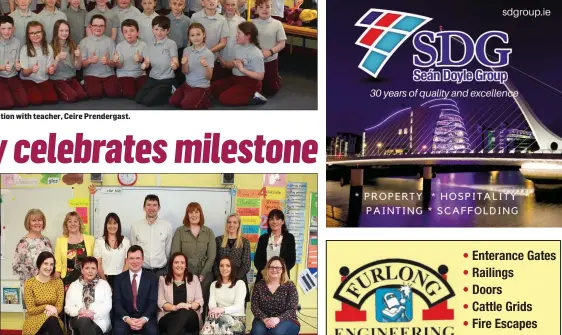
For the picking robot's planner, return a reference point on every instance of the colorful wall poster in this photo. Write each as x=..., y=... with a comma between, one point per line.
x=295, y=214
x=312, y=257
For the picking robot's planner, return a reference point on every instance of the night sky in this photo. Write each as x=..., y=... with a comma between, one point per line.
x=536, y=44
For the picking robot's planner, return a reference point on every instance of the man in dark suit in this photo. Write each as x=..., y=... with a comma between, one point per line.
x=135, y=295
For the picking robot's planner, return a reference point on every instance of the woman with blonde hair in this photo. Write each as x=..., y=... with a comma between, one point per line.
x=274, y=301
x=72, y=248
x=197, y=243
x=31, y=245
x=236, y=247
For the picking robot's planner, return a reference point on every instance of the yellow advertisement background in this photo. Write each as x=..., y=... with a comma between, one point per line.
x=536, y=282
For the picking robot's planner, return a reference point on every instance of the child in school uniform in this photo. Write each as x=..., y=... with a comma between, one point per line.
x=111, y=20
x=22, y=16
x=97, y=61
x=227, y=54
x=37, y=63
x=215, y=25
x=48, y=16
x=32, y=5
x=91, y=4
x=162, y=57
x=145, y=20
x=12, y=92
x=197, y=63
x=272, y=40
x=76, y=17
x=128, y=60
x=247, y=71
x=179, y=23
x=124, y=10
x=65, y=4
x=67, y=60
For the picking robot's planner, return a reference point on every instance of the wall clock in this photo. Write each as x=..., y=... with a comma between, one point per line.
x=127, y=179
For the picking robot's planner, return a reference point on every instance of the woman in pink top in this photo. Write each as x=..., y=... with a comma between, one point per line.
x=179, y=298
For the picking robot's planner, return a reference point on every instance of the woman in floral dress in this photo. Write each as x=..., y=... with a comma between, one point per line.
x=227, y=315
x=71, y=249
x=31, y=245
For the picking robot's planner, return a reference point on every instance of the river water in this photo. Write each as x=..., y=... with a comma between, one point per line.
x=482, y=199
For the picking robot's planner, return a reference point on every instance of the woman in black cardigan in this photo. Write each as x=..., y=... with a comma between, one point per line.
x=277, y=242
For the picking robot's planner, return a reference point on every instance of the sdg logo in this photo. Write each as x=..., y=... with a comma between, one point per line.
x=387, y=30
x=385, y=33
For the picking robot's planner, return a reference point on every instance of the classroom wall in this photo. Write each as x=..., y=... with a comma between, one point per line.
x=308, y=302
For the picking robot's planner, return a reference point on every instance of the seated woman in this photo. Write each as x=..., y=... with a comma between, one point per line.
x=179, y=299
x=43, y=296
x=31, y=245
x=235, y=246
x=88, y=301
x=274, y=302
x=226, y=303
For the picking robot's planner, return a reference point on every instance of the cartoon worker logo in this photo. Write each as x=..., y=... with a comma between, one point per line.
x=394, y=282
x=394, y=305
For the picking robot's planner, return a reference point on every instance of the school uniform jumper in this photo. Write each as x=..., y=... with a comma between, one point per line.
x=131, y=77
x=239, y=89
x=195, y=93
x=39, y=88
x=12, y=92
x=99, y=79
x=270, y=32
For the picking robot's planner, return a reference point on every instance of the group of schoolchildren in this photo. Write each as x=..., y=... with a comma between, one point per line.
x=71, y=54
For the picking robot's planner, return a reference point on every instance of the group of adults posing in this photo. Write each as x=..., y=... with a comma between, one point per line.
x=157, y=281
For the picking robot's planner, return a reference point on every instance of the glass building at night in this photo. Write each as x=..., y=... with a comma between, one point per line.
x=436, y=126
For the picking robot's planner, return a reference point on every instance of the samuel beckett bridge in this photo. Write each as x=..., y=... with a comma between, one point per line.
x=437, y=137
